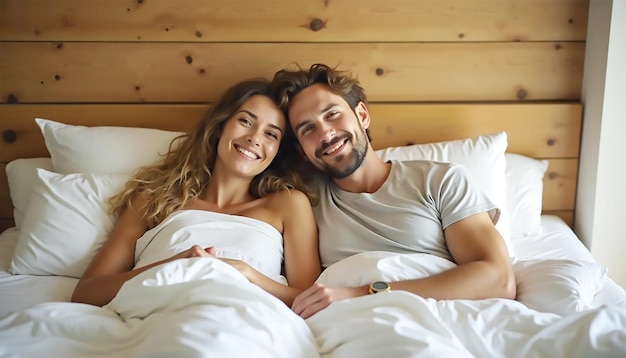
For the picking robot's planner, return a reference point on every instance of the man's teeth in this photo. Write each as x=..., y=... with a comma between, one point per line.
x=247, y=153
x=333, y=149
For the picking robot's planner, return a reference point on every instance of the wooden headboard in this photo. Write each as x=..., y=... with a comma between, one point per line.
x=432, y=70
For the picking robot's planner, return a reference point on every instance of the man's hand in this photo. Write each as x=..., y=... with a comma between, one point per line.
x=319, y=296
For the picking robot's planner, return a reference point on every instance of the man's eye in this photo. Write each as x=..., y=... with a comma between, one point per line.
x=333, y=114
x=306, y=130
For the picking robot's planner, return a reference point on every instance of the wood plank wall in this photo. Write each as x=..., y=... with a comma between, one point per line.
x=104, y=54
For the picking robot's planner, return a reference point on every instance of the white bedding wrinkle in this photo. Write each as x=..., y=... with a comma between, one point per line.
x=199, y=307
x=235, y=237
x=401, y=324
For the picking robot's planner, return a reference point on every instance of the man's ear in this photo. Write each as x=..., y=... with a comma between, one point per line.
x=363, y=114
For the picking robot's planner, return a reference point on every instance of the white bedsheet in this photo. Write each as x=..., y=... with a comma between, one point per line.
x=21, y=291
x=557, y=240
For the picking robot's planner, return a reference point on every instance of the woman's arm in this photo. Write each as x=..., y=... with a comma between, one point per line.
x=302, y=258
x=113, y=264
x=302, y=263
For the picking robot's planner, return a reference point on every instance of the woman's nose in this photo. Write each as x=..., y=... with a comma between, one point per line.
x=252, y=139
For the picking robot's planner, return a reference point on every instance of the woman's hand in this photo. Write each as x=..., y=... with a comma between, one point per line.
x=197, y=251
x=242, y=267
x=320, y=296
x=194, y=251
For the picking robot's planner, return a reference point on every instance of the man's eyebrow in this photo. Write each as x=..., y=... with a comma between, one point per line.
x=256, y=118
x=322, y=111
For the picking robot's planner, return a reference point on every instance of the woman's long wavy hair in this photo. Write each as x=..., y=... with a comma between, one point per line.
x=185, y=170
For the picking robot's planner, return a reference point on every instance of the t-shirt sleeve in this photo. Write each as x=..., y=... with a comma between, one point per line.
x=460, y=197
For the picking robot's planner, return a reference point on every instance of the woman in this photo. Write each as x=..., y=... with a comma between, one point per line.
x=229, y=169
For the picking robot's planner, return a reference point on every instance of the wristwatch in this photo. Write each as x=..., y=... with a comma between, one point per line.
x=379, y=286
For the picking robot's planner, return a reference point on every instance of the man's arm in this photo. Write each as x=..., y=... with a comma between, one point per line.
x=484, y=268
x=483, y=271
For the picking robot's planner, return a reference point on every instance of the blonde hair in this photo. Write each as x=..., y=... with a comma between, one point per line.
x=185, y=170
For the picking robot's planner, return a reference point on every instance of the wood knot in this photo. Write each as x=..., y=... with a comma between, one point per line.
x=557, y=46
x=59, y=45
x=461, y=35
x=379, y=71
x=316, y=24
x=521, y=94
x=57, y=77
x=9, y=136
x=198, y=34
x=409, y=143
x=201, y=71
x=11, y=98
x=570, y=21
x=189, y=59
x=552, y=175
x=551, y=142
x=137, y=88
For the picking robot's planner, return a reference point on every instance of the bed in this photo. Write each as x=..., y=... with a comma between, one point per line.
x=567, y=304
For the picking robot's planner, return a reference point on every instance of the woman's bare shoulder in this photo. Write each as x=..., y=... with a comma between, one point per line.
x=289, y=199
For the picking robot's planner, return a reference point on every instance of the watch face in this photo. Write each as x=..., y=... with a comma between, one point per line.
x=380, y=286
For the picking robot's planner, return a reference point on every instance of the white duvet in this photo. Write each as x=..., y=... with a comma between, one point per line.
x=401, y=324
x=198, y=307
x=203, y=307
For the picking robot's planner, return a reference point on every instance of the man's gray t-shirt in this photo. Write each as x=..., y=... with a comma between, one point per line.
x=407, y=214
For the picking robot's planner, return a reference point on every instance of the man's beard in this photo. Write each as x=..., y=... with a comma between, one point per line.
x=355, y=159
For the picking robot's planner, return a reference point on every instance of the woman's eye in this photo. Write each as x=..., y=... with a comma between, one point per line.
x=272, y=135
x=245, y=121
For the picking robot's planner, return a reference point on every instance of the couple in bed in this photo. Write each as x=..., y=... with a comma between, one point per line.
x=250, y=161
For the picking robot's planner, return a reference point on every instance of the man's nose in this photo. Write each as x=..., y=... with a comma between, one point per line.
x=327, y=132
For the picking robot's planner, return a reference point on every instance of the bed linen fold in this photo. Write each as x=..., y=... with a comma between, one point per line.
x=199, y=307
x=401, y=324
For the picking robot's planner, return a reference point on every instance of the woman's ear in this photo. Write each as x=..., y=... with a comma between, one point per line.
x=363, y=114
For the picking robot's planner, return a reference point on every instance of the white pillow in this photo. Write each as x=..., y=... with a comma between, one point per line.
x=367, y=267
x=65, y=223
x=524, y=184
x=103, y=150
x=559, y=286
x=21, y=174
x=483, y=156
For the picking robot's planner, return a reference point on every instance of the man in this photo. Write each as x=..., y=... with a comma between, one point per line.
x=367, y=204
